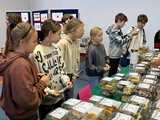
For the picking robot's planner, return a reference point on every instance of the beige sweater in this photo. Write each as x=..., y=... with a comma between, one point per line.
x=71, y=55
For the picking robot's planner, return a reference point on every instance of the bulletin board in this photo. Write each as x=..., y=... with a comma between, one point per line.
x=57, y=14
x=38, y=17
x=25, y=15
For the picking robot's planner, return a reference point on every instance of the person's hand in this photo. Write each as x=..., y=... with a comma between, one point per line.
x=69, y=84
x=134, y=31
x=55, y=93
x=45, y=79
x=106, y=67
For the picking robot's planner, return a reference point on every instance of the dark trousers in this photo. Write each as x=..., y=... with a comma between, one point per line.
x=70, y=92
x=44, y=110
x=114, y=63
x=34, y=117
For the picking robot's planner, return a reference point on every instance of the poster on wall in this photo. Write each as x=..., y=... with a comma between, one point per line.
x=36, y=16
x=25, y=17
x=57, y=16
x=37, y=26
x=44, y=17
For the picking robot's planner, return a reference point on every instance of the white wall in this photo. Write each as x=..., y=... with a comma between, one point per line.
x=92, y=12
x=102, y=12
x=10, y=6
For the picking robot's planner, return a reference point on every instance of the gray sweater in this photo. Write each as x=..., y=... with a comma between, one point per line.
x=117, y=40
x=97, y=57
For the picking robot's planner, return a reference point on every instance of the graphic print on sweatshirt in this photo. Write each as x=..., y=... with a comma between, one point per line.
x=49, y=61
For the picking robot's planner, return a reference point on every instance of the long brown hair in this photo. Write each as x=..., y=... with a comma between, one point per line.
x=13, y=20
x=49, y=25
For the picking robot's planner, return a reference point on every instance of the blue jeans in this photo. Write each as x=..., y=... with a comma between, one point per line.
x=93, y=80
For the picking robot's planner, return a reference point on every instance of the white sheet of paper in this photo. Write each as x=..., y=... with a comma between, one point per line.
x=44, y=16
x=37, y=26
x=25, y=17
x=36, y=16
x=57, y=16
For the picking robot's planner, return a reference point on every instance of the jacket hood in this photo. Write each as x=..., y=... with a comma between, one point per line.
x=5, y=61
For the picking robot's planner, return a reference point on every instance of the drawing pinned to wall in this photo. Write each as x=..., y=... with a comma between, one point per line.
x=25, y=17
x=37, y=26
x=36, y=16
x=57, y=16
x=44, y=17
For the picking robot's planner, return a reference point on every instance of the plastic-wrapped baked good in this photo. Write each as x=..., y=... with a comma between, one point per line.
x=70, y=103
x=59, y=114
x=80, y=110
x=110, y=104
x=95, y=99
x=122, y=116
x=96, y=113
x=139, y=100
x=145, y=90
x=131, y=109
x=134, y=77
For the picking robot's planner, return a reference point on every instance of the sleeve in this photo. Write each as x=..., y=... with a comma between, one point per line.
x=105, y=55
x=33, y=59
x=120, y=39
x=64, y=77
x=25, y=92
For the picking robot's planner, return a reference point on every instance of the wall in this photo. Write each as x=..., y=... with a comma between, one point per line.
x=92, y=12
x=102, y=12
x=10, y=5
